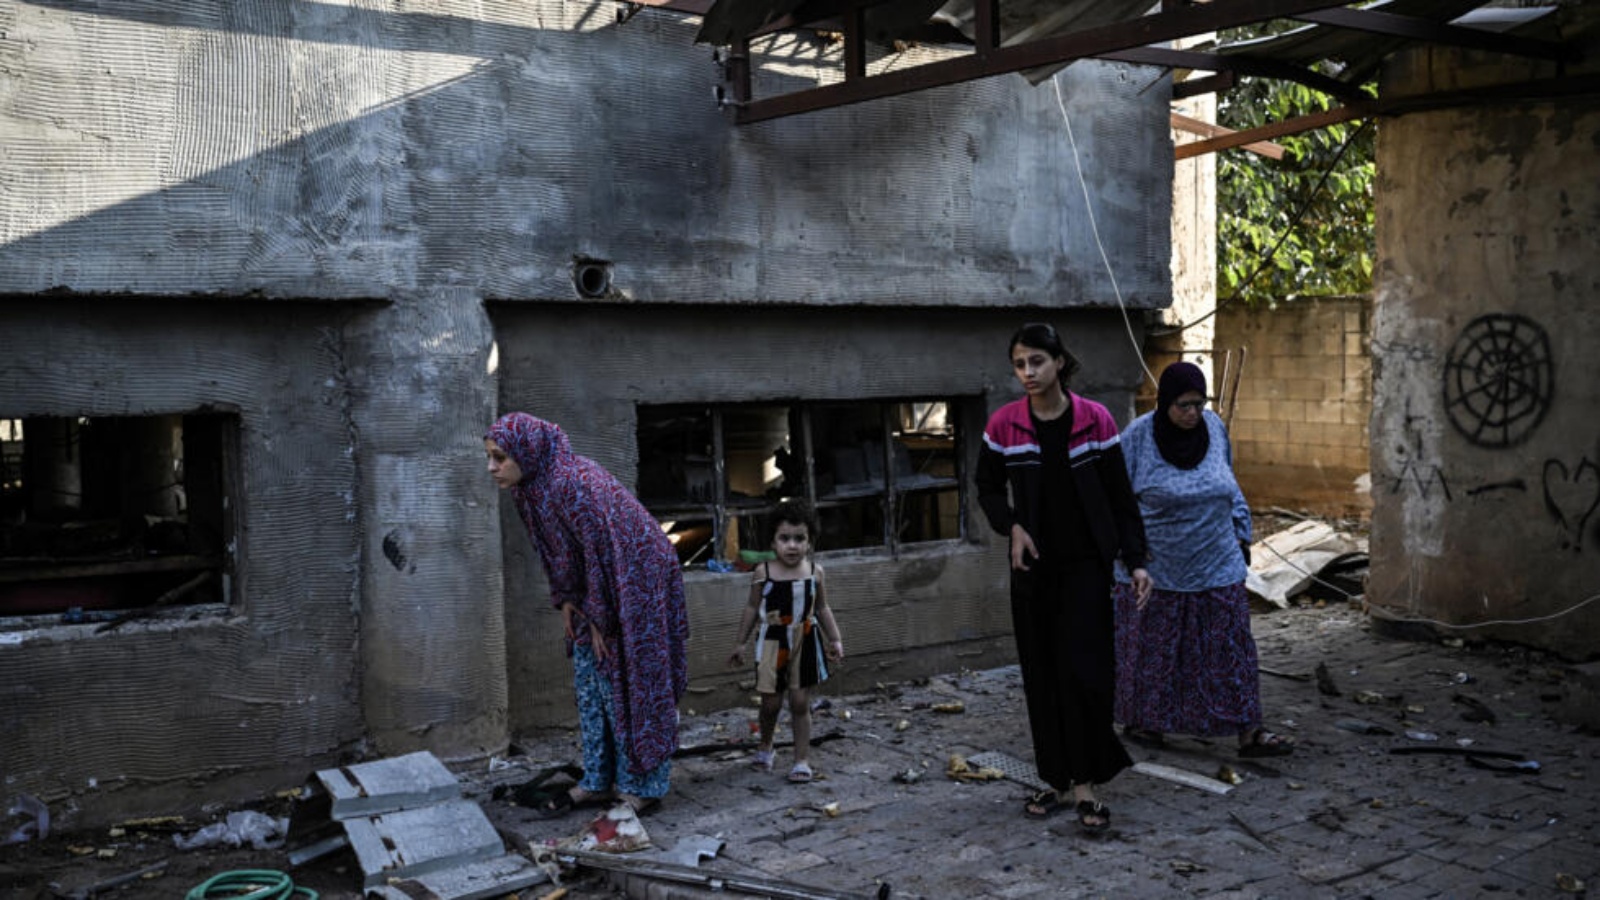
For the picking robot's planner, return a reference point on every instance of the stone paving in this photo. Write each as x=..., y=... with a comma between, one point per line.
x=1342, y=817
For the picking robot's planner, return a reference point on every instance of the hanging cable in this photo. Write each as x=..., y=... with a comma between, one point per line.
x=1294, y=221
x=1094, y=227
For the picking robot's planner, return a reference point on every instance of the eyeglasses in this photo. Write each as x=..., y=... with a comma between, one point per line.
x=1190, y=404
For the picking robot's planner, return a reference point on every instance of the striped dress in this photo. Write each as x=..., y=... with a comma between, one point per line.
x=789, y=654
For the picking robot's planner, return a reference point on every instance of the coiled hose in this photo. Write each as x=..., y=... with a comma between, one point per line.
x=249, y=884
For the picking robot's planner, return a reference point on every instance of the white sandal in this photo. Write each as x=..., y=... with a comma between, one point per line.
x=761, y=761
x=801, y=773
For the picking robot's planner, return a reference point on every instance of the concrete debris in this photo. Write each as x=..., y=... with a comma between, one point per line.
x=1287, y=563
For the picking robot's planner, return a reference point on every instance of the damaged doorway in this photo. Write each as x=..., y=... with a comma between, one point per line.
x=104, y=518
x=881, y=475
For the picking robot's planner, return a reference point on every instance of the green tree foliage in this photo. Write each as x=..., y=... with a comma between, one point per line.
x=1314, y=205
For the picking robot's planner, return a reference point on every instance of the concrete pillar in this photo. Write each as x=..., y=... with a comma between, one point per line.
x=432, y=622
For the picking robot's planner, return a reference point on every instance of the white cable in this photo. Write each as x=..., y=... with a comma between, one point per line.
x=1380, y=613
x=1094, y=227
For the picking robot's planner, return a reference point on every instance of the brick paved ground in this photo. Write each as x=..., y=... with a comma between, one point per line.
x=1342, y=817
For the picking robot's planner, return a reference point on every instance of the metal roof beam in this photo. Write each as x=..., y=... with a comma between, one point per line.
x=1419, y=29
x=1260, y=67
x=1152, y=29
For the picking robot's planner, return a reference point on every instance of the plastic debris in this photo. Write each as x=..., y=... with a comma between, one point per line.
x=953, y=707
x=1227, y=775
x=959, y=769
x=1369, y=698
x=38, y=825
x=1361, y=726
x=259, y=830
x=909, y=776
x=1422, y=736
x=1569, y=884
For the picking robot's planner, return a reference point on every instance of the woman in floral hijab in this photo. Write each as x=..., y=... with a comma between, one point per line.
x=615, y=579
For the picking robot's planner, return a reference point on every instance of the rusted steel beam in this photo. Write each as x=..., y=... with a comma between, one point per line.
x=1240, y=65
x=692, y=7
x=1415, y=28
x=1091, y=42
x=1209, y=84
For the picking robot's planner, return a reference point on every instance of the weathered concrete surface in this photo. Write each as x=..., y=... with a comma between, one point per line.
x=281, y=149
x=403, y=163
x=1484, y=441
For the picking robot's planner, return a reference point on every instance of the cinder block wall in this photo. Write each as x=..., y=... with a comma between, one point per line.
x=1304, y=398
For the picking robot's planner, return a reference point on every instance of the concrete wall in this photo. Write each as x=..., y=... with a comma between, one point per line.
x=401, y=164
x=935, y=606
x=1299, y=423
x=1486, y=449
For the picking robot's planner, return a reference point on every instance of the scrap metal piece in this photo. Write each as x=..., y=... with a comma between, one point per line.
x=716, y=881
x=387, y=785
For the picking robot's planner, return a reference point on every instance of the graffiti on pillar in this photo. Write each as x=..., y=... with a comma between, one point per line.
x=1514, y=484
x=1498, y=379
x=1414, y=469
x=1571, y=494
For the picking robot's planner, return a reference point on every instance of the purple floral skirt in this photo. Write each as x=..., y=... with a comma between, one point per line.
x=1187, y=663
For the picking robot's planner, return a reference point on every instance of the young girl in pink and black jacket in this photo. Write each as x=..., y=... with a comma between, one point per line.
x=1051, y=478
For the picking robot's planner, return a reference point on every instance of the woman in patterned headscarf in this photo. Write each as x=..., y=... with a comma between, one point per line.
x=1186, y=660
x=615, y=579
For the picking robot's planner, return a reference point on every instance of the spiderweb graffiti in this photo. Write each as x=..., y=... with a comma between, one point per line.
x=1498, y=379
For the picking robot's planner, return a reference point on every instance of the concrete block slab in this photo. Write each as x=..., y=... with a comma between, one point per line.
x=387, y=785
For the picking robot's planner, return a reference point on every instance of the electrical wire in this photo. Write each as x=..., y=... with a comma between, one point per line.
x=1094, y=228
x=1386, y=616
x=1294, y=222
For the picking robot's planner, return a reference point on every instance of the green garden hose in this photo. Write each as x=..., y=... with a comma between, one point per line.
x=249, y=884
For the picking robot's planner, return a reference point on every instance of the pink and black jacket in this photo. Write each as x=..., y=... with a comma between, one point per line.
x=1010, y=458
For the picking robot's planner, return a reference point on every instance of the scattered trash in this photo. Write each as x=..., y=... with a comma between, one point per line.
x=953, y=707
x=1289, y=562
x=1497, y=760
x=1462, y=678
x=902, y=725
x=1378, y=803
x=1184, y=777
x=38, y=826
x=259, y=830
x=1369, y=698
x=1227, y=775
x=617, y=830
x=1325, y=683
x=960, y=769
x=1476, y=710
x=909, y=776
x=830, y=809
x=1569, y=884
x=1361, y=726
x=1422, y=736
x=1185, y=867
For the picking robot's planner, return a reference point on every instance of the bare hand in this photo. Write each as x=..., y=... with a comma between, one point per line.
x=597, y=642
x=1021, y=548
x=1142, y=585
x=567, y=609
x=834, y=651
x=736, y=658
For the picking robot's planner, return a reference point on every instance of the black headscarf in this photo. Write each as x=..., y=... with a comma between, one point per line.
x=1183, y=447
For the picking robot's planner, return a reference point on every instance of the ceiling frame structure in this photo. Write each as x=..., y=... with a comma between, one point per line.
x=1141, y=39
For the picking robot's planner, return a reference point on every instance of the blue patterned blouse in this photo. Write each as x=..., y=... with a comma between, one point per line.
x=1194, y=518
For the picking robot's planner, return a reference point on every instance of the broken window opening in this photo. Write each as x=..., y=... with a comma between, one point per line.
x=106, y=518
x=880, y=475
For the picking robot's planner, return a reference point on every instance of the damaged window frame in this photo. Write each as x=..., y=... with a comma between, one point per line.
x=105, y=520
x=690, y=471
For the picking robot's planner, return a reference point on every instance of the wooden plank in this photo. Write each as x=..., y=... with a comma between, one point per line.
x=1205, y=129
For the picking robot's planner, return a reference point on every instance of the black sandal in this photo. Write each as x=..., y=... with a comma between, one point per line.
x=1093, y=809
x=1043, y=805
x=1144, y=736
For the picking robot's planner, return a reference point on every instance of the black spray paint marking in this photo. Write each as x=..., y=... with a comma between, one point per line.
x=1498, y=379
x=1571, y=495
